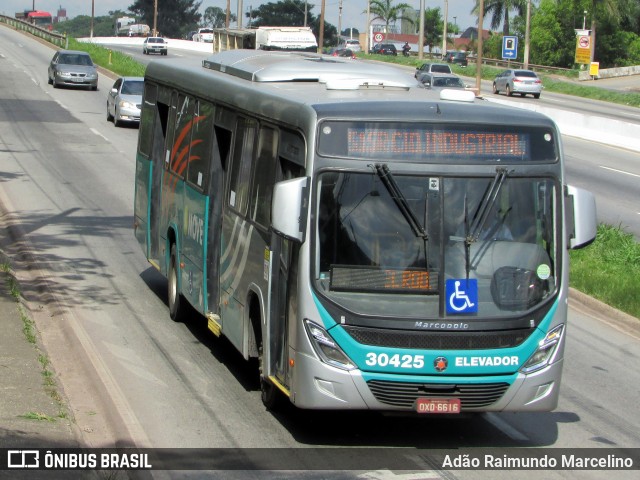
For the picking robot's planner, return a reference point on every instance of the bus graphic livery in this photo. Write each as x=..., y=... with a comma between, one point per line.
x=375, y=244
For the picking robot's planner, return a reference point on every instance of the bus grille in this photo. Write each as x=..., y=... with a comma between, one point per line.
x=405, y=395
x=438, y=340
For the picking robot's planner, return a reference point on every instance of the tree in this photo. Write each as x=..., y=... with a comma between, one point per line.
x=174, y=17
x=288, y=13
x=215, y=17
x=499, y=11
x=388, y=13
x=433, y=28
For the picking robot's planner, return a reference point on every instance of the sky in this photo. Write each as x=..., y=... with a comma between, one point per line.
x=352, y=10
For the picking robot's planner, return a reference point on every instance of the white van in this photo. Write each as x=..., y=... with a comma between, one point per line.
x=352, y=44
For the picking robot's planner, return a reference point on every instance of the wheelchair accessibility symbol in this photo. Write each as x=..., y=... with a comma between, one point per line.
x=462, y=295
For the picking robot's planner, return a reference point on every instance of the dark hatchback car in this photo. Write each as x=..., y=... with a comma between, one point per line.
x=72, y=68
x=458, y=58
x=385, y=49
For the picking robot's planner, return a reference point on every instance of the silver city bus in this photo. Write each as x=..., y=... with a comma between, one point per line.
x=375, y=244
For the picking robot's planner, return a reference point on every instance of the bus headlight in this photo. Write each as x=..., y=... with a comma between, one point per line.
x=545, y=352
x=328, y=350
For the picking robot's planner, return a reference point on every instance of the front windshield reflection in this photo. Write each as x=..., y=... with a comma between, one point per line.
x=366, y=246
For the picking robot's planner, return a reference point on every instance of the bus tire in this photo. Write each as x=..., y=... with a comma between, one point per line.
x=173, y=294
x=271, y=396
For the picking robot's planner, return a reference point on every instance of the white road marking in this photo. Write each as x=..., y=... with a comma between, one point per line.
x=389, y=475
x=99, y=134
x=620, y=171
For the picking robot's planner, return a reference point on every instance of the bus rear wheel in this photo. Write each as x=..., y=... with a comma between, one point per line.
x=174, y=297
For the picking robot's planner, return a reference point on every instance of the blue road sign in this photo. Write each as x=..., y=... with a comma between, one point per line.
x=509, y=47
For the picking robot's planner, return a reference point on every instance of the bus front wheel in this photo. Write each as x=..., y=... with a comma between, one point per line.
x=175, y=300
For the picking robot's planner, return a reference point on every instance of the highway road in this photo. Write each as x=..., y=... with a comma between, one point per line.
x=134, y=377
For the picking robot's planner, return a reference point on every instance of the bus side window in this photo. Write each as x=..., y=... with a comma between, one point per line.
x=201, y=140
x=146, y=122
x=264, y=176
x=242, y=157
x=182, y=140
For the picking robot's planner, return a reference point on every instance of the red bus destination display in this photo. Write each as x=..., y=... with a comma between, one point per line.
x=402, y=142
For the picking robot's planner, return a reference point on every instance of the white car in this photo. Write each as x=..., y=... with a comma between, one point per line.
x=204, y=35
x=154, y=45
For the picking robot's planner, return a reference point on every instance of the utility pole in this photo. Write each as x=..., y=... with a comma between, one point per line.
x=239, y=14
x=446, y=20
x=228, y=19
x=526, y=35
x=479, y=54
x=421, y=32
x=321, y=27
x=340, y=19
x=155, y=18
x=92, y=14
x=369, y=25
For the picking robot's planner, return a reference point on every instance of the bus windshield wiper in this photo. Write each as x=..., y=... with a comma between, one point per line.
x=488, y=200
x=485, y=206
x=401, y=201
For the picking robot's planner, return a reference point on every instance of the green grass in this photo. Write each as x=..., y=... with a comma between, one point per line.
x=118, y=62
x=609, y=269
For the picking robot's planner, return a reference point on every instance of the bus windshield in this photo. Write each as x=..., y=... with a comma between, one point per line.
x=466, y=228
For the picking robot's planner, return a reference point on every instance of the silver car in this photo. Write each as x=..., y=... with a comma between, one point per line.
x=72, y=68
x=518, y=81
x=124, y=101
x=441, y=80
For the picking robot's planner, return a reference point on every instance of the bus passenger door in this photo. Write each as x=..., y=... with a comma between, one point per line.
x=221, y=145
x=283, y=294
x=157, y=157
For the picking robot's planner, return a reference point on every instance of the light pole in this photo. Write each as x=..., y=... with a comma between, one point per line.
x=455, y=23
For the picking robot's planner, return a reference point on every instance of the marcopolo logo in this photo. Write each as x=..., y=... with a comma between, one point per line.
x=440, y=364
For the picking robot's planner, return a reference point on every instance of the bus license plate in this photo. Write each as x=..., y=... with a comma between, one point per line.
x=438, y=405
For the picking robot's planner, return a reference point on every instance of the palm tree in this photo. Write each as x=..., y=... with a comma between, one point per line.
x=499, y=10
x=388, y=13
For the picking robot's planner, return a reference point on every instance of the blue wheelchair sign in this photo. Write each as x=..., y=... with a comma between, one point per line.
x=509, y=47
x=462, y=295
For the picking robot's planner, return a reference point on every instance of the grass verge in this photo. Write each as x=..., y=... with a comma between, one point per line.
x=609, y=269
x=28, y=328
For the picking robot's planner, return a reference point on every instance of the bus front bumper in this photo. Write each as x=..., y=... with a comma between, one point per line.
x=316, y=385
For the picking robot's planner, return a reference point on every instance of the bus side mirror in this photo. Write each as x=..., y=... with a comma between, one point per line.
x=289, y=208
x=580, y=217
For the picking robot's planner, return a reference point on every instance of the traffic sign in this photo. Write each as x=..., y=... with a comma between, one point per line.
x=509, y=47
x=378, y=37
x=583, y=49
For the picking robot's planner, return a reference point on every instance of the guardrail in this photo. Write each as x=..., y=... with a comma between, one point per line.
x=51, y=37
